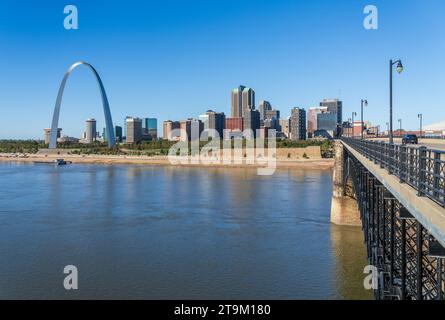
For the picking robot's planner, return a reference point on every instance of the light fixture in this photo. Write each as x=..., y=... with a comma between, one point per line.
x=399, y=67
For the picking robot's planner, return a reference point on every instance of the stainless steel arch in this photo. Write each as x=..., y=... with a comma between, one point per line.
x=108, y=121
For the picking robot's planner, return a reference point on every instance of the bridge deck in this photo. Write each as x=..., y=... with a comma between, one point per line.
x=430, y=214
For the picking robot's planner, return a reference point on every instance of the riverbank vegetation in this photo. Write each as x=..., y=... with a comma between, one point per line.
x=147, y=148
x=20, y=146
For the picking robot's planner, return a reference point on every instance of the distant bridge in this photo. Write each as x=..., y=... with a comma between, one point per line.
x=397, y=194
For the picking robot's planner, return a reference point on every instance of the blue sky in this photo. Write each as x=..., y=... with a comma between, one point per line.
x=174, y=59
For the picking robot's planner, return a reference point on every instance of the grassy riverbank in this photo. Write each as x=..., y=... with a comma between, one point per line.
x=151, y=148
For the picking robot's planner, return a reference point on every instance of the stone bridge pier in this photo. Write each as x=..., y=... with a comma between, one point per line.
x=344, y=208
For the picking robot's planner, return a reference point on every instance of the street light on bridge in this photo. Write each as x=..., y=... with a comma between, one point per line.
x=364, y=102
x=399, y=69
x=400, y=127
x=350, y=127
x=420, y=116
x=353, y=114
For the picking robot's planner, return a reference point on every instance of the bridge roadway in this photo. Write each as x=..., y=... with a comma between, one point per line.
x=438, y=144
x=430, y=214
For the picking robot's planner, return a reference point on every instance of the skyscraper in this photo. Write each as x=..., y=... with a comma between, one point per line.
x=234, y=127
x=118, y=133
x=272, y=119
x=214, y=120
x=284, y=126
x=327, y=121
x=263, y=107
x=134, y=130
x=48, y=134
x=205, y=120
x=186, y=130
x=168, y=127
x=90, y=132
x=298, y=124
x=248, y=100
x=334, y=106
x=125, y=125
x=272, y=114
x=312, y=119
x=236, y=107
x=150, y=127
x=251, y=120
x=191, y=129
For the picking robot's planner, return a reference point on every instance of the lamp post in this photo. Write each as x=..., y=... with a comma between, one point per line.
x=349, y=127
x=399, y=69
x=364, y=102
x=420, y=116
x=400, y=127
x=353, y=114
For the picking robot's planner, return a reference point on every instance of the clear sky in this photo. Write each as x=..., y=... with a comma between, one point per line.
x=176, y=59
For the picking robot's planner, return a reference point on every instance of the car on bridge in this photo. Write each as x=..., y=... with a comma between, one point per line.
x=409, y=138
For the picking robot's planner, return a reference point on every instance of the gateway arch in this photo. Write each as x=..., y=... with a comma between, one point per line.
x=108, y=121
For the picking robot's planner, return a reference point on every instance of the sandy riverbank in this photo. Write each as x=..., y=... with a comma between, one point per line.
x=318, y=163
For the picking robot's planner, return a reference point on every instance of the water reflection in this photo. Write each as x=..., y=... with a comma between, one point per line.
x=175, y=233
x=350, y=260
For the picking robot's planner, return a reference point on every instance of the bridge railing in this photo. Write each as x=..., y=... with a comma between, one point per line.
x=420, y=167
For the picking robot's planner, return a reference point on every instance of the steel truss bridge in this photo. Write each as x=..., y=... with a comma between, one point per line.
x=400, y=192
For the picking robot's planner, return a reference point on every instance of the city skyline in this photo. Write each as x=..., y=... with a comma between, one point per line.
x=243, y=108
x=222, y=156
x=180, y=63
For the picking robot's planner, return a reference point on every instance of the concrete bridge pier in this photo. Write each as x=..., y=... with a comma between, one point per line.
x=344, y=207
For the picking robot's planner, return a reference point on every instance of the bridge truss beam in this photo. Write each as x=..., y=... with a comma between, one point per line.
x=409, y=259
